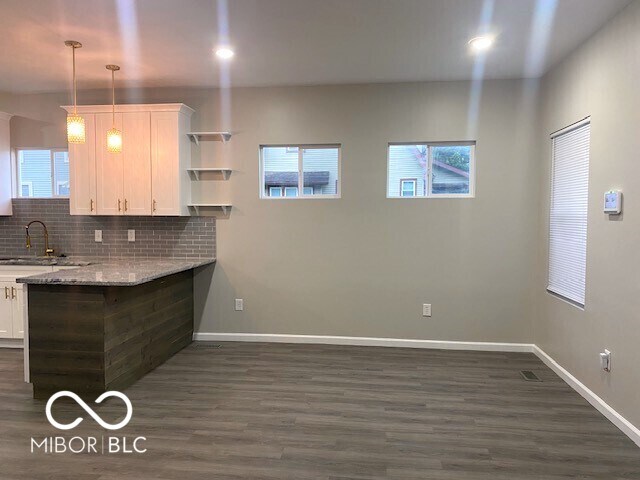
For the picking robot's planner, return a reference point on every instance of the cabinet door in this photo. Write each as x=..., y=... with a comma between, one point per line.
x=165, y=163
x=136, y=155
x=17, y=297
x=6, y=310
x=109, y=168
x=82, y=170
x=5, y=166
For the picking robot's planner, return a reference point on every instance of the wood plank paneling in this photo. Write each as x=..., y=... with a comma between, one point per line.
x=92, y=339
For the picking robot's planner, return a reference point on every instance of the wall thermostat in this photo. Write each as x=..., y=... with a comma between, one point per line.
x=613, y=202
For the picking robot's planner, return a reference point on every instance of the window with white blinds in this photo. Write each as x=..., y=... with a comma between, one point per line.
x=568, y=214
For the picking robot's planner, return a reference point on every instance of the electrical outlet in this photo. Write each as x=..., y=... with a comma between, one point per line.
x=131, y=235
x=426, y=309
x=605, y=360
x=98, y=235
x=239, y=304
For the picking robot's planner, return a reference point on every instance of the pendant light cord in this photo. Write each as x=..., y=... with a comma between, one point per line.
x=75, y=101
x=113, y=97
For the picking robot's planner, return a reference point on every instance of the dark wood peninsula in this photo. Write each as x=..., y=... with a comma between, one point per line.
x=102, y=327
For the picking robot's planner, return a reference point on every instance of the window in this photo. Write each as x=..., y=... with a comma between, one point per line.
x=431, y=170
x=26, y=189
x=42, y=173
x=568, y=212
x=287, y=170
x=275, y=191
x=408, y=187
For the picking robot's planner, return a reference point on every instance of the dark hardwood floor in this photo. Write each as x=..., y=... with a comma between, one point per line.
x=257, y=411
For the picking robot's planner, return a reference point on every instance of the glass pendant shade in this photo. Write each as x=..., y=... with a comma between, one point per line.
x=114, y=136
x=75, y=129
x=114, y=140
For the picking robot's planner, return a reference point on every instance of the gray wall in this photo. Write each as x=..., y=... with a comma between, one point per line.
x=363, y=264
x=601, y=80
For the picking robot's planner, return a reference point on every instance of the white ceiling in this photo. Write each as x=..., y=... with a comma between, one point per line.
x=285, y=42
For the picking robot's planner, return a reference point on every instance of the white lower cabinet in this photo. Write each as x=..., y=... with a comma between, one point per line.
x=19, y=310
x=6, y=311
x=13, y=307
x=14, y=312
x=11, y=310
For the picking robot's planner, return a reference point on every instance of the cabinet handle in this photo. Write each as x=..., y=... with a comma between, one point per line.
x=91, y=205
x=126, y=205
x=119, y=206
x=6, y=293
x=154, y=205
x=13, y=292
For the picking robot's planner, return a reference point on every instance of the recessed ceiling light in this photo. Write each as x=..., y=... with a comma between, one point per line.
x=481, y=44
x=224, y=52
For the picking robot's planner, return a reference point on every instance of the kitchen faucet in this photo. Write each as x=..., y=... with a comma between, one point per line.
x=47, y=251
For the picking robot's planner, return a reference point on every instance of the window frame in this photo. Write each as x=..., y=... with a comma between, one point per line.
x=409, y=180
x=290, y=188
x=276, y=196
x=472, y=169
x=301, y=147
x=58, y=184
x=17, y=172
x=29, y=185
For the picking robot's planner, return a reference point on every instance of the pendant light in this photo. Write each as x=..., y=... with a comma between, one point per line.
x=114, y=136
x=75, y=123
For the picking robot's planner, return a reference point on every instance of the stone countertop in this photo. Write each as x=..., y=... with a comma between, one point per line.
x=122, y=272
x=30, y=260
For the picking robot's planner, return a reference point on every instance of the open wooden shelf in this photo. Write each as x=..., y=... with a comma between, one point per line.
x=226, y=172
x=198, y=137
x=225, y=207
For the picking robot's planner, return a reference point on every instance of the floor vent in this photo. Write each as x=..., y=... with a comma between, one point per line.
x=208, y=345
x=529, y=376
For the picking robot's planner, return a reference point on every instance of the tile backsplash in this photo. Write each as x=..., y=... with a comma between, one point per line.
x=176, y=237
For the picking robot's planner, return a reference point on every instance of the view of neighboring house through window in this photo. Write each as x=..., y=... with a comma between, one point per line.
x=431, y=170
x=300, y=171
x=42, y=173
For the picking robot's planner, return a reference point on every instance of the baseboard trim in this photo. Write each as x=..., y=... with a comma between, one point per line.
x=11, y=343
x=363, y=341
x=598, y=403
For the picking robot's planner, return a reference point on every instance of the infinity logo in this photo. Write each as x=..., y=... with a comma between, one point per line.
x=89, y=410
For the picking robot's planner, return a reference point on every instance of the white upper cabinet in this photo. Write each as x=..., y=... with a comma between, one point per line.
x=82, y=171
x=5, y=165
x=109, y=168
x=169, y=162
x=149, y=176
x=136, y=155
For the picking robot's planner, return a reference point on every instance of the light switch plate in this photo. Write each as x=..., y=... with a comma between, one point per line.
x=131, y=235
x=98, y=235
x=426, y=309
x=239, y=304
